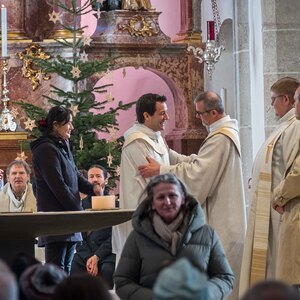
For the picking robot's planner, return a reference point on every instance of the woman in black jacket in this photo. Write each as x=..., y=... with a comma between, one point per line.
x=58, y=182
x=166, y=224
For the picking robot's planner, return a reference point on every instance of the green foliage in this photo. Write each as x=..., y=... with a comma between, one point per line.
x=88, y=122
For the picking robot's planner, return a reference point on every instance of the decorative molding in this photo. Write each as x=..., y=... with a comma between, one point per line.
x=29, y=69
x=139, y=26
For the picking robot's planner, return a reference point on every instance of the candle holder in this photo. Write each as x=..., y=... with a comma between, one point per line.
x=6, y=119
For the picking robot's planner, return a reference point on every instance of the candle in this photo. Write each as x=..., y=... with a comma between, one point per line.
x=4, y=30
x=211, y=30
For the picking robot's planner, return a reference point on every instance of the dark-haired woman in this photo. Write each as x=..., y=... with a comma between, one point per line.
x=167, y=223
x=58, y=182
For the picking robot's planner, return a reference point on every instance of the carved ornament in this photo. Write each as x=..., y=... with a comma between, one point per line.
x=139, y=26
x=29, y=69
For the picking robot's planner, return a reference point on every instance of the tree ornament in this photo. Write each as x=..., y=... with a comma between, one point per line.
x=86, y=39
x=14, y=112
x=118, y=171
x=109, y=97
x=29, y=124
x=55, y=17
x=112, y=134
x=21, y=156
x=109, y=160
x=74, y=109
x=81, y=143
x=75, y=72
x=84, y=56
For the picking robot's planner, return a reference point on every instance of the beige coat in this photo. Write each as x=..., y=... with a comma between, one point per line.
x=287, y=142
x=287, y=194
x=29, y=203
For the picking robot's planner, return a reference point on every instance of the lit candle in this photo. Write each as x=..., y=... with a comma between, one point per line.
x=211, y=30
x=4, y=30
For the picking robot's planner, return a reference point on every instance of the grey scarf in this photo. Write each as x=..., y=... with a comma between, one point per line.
x=171, y=234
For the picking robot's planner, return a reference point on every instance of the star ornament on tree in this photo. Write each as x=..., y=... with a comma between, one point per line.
x=14, y=112
x=29, y=124
x=21, y=156
x=55, y=17
x=84, y=56
x=86, y=39
x=74, y=109
x=75, y=72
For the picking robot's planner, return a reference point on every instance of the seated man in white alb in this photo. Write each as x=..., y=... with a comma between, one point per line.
x=17, y=194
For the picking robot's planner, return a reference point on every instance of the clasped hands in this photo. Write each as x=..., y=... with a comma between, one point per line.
x=92, y=265
x=151, y=169
x=279, y=209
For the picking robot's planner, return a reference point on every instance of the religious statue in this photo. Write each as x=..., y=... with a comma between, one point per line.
x=136, y=4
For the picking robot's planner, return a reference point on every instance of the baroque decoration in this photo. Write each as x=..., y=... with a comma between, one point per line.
x=139, y=26
x=89, y=123
x=30, y=69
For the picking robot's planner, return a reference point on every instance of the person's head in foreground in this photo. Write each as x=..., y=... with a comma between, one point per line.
x=83, y=287
x=271, y=290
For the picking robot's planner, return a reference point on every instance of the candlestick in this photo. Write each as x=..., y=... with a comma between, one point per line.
x=6, y=119
x=4, y=30
x=210, y=30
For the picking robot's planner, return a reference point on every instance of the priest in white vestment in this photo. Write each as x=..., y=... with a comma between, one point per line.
x=287, y=202
x=270, y=164
x=214, y=177
x=143, y=139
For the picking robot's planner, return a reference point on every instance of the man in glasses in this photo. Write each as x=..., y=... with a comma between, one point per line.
x=214, y=177
x=271, y=162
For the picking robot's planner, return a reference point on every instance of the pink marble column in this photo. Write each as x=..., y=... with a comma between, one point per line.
x=190, y=21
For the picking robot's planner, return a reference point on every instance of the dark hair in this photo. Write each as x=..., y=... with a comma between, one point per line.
x=164, y=178
x=83, y=286
x=147, y=103
x=101, y=168
x=211, y=100
x=18, y=163
x=286, y=86
x=271, y=290
x=59, y=114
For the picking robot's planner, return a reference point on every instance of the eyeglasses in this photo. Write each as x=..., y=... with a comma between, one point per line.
x=275, y=97
x=200, y=113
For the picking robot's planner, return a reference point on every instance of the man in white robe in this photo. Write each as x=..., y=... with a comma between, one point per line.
x=214, y=177
x=143, y=139
x=17, y=194
x=272, y=159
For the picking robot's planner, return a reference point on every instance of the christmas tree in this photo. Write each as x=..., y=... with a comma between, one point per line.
x=87, y=148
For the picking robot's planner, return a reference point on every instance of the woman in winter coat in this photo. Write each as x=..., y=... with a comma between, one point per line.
x=166, y=223
x=58, y=182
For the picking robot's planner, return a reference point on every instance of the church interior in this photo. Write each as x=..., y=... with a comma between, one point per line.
x=157, y=48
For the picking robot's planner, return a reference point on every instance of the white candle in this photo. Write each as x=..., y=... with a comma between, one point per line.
x=4, y=30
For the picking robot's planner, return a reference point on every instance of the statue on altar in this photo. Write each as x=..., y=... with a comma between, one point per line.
x=136, y=4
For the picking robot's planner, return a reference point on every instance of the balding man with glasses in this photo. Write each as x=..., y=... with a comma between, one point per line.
x=271, y=162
